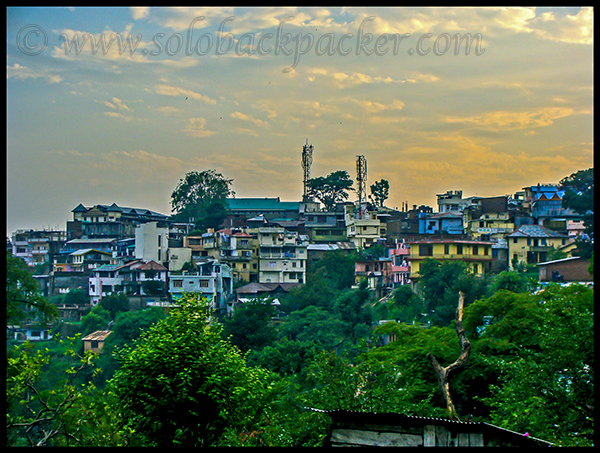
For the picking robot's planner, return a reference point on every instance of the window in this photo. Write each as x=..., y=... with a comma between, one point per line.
x=203, y=283
x=425, y=250
x=446, y=249
x=515, y=240
x=475, y=250
x=459, y=249
x=177, y=283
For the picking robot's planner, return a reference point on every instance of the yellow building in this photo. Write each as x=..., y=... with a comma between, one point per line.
x=494, y=225
x=530, y=244
x=477, y=254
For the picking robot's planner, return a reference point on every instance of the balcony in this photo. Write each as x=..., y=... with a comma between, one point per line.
x=464, y=256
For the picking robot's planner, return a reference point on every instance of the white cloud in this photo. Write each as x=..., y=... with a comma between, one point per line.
x=139, y=12
x=195, y=127
x=20, y=72
x=168, y=90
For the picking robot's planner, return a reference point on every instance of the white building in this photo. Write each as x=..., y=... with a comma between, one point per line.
x=151, y=242
x=132, y=278
x=282, y=256
x=212, y=279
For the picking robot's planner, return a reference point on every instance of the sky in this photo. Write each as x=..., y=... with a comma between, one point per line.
x=116, y=105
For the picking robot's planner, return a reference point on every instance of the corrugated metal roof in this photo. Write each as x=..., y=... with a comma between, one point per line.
x=536, y=231
x=391, y=418
x=98, y=335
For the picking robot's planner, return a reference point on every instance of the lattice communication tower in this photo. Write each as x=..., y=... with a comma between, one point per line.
x=361, y=178
x=307, y=152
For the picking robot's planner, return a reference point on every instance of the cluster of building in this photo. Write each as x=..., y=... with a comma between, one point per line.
x=265, y=245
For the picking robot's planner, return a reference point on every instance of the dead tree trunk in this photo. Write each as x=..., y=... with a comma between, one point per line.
x=443, y=372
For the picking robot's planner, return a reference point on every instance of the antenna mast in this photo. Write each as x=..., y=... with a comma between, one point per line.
x=307, y=151
x=361, y=178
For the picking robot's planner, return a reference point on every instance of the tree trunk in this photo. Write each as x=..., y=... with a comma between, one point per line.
x=443, y=372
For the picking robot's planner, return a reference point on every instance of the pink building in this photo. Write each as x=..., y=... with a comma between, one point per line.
x=400, y=264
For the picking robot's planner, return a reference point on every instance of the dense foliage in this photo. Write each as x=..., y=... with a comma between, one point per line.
x=256, y=378
x=201, y=198
x=330, y=189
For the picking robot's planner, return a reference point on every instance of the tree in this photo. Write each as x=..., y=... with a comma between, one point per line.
x=251, y=326
x=513, y=281
x=77, y=296
x=97, y=319
x=181, y=383
x=331, y=189
x=354, y=311
x=68, y=414
x=579, y=195
x=546, y=382
x=404, y=305
x=380, y=191
x=23, y=297
x=443, y=373
x=115, y=303
x=439, y=283
x=202, y=196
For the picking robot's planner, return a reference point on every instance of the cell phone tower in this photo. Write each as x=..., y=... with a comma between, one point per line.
x=307, y=152
x=361, y=178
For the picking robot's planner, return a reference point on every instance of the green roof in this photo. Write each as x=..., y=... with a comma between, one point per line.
x=258, y=204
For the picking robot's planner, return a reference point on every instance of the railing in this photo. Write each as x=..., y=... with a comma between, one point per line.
x=443, y=256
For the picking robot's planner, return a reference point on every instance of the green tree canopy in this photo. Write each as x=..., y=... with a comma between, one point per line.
x=330, y=189
x=115, y=303
x=543, y=347
x=440, y=283
x=202, y=196
x=181, y=383
x=579, y=195
x=23, y=297
x=355, y=311
x=251, y=326
x=380, y=191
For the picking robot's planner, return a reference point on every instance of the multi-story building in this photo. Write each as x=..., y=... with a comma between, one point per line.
x=37, y=246
x=477, y=254
x=137, y=278
x=376, y=271
x=363, y=230
x=453, y=201
x=237, y=250
x=282, y=256
x=400, y=263
x=109, y=221
x=530, y=244
x=325, y=227
x=81, y=261
x=448, y=222
x=242, y=209
x=151, y=242
x=212, y=279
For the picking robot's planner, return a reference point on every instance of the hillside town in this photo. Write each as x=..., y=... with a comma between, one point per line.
x=265, y=245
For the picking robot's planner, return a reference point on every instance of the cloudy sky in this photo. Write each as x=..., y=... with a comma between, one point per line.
x=117, y=104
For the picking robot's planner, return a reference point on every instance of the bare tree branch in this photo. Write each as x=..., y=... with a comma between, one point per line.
x=442, y=373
